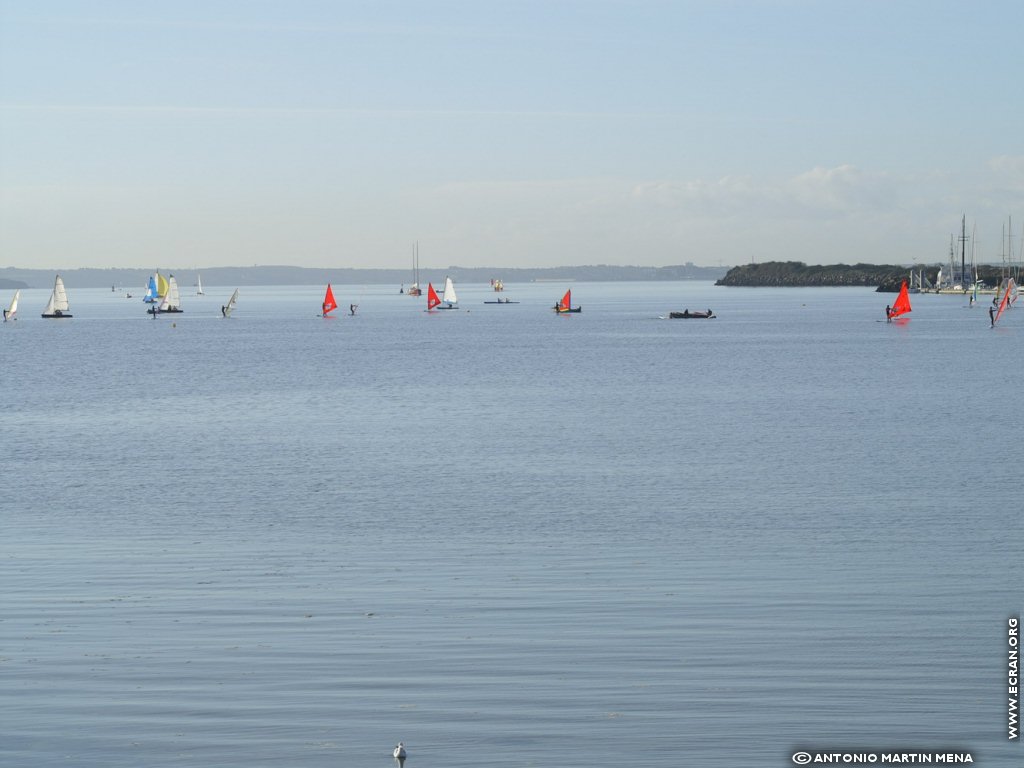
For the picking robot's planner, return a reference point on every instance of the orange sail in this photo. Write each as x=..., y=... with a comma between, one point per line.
x=566, y=302
x=1008, y=289
x=432, y=299
x=329, y=303
x=902, y=304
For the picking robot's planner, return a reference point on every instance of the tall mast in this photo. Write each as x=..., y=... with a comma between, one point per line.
x=963, y=250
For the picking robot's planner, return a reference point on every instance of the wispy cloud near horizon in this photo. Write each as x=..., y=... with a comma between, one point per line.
x=529, y=132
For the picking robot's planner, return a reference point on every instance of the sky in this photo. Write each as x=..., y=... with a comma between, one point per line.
x=516, y=133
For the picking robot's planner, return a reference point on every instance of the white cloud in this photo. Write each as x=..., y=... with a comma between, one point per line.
x=843, y=191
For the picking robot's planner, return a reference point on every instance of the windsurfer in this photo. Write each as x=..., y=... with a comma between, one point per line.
x=351, y=309
x=992, y=317
x=223, y=310
x=888, y=313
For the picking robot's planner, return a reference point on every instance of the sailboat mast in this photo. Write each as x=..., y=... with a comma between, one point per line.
x=963, y=250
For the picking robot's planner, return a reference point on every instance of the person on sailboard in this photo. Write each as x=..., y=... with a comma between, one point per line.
x=888, y=313
x=352, y=309
x=992, y=317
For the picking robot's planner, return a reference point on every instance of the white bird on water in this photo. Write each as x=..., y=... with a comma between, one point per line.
x=399, y=750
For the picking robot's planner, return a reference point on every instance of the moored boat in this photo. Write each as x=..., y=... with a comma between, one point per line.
x=414, y=289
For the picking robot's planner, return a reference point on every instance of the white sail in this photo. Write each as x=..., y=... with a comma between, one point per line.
x=12, y=310
x=226, y=309
x=58, y=302
x=172, y=299
x=449, y=296
x=199, y=285
x=60, y=296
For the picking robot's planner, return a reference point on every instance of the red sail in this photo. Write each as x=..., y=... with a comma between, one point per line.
x=902, y=304
x=566, y=301
x=329, y=303
x=432, y=299
x=1005, y=301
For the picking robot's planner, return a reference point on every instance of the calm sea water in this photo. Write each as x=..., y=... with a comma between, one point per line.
x=504, y=536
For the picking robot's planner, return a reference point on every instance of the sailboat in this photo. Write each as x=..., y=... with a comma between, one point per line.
x=199, y=285
x=432, y=297
x=902, y=304
x=565, y=305
x=170, y=301
x=152, y=294
x=11, y=311
x=448, y=298
x=414, y=289
x=57, y=306
x=157, y=289
x=1009, y=289
x=227, y=308
x=329, y=304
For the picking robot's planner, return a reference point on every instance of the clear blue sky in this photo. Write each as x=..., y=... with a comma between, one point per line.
x=332, y=133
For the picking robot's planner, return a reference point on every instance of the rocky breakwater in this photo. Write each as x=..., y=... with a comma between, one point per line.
x=796, y=274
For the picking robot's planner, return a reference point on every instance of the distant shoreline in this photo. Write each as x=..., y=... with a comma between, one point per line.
x=885, y=278
x=131, y=279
